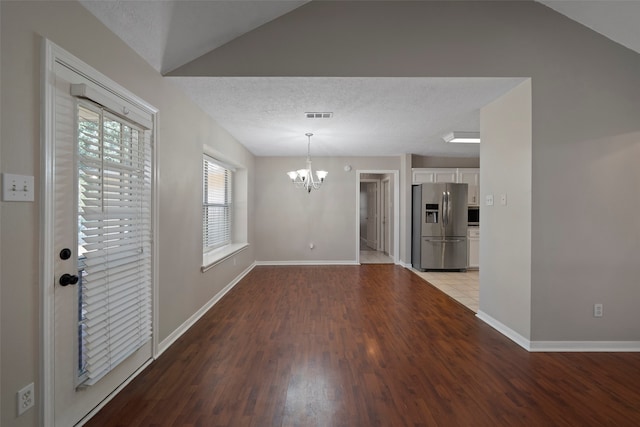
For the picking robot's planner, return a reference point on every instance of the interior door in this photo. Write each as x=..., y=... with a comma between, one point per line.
x=372, y=215
x=386, y=216
x=72, y=401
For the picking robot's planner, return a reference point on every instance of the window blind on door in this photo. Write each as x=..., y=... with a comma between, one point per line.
x=114, y=239
x=217, y=204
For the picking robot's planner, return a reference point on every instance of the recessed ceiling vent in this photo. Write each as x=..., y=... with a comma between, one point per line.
x=317, y=115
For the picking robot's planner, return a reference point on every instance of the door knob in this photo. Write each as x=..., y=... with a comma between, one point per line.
x=68, y=279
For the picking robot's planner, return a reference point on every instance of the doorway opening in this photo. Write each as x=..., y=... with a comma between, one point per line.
x=377, y=231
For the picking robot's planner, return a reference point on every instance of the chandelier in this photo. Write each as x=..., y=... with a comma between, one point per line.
x=303, y=178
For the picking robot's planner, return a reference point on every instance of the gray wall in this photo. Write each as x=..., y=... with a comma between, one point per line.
x=505, y=243
x=585, y=128
x=289, y=219
x=183, y=131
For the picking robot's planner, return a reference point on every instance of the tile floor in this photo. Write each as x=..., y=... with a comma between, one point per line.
x=461, y=286
x=374, y=257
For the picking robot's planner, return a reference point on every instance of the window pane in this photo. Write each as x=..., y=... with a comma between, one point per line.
x=114, y=226
x=217, y=204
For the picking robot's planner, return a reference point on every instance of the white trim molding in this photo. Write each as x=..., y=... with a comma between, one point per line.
x=559, y=346
x=306, y=263
x=585, y=346
x=187, y=324
x=212, y=258
x=504, y=330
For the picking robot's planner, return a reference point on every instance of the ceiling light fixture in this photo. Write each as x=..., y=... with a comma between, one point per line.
x=458, y=137
x=303, y=178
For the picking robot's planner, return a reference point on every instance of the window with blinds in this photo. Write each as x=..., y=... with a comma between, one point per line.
x=114, y=240
x=217, y=204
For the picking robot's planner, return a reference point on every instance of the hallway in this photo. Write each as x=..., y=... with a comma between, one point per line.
x=370, y=256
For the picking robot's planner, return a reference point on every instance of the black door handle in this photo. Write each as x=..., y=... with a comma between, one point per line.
x=68, y=279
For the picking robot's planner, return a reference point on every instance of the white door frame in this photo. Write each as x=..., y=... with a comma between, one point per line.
x=50, y=55
x=396, y=210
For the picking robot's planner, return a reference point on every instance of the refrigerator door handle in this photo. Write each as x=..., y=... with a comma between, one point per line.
x=443, y=240
x=444, y=208
x=448, y=207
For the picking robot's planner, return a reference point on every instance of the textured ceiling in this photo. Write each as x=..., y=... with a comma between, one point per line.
x=170, y=33
x=372, y=116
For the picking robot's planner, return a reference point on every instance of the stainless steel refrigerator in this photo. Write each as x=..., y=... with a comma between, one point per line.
x=439, y=227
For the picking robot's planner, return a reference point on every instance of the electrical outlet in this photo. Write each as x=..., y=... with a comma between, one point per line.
x=597, y=310
x=503, y=199
x=25, y=398
x=488, y=199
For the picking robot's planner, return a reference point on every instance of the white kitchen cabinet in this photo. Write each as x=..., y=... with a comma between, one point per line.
x=471, y=177
x=473, y=248
x=426, y=175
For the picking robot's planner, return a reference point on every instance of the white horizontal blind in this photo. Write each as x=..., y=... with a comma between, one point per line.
x=217, y=204
x=114, y=240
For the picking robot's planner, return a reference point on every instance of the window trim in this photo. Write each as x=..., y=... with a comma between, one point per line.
x=215, y=256
x=239, y=240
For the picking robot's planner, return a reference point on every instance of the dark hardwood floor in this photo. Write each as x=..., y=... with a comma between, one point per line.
x=370, y=345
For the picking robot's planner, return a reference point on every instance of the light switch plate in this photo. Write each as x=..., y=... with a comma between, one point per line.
x=488, y=199
x=17, y=188
x=503, y=199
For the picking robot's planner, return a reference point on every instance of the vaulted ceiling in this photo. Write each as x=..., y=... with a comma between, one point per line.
x=371, y=116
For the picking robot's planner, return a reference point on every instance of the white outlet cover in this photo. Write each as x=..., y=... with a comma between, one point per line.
x=17, y=188
x=489, y=199
x=503, y=199
x=25, y=398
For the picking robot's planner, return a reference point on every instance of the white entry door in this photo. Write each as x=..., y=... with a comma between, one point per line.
x=102, y=282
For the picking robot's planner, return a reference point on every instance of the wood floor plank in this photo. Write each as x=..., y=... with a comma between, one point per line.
x=370, y=345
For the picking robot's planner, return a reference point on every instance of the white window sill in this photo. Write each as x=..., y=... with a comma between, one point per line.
x=216, y=256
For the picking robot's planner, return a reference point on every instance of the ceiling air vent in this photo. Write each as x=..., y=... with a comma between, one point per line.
x=317, y=115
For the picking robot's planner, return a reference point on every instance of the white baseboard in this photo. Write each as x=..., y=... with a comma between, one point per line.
x=504, y=330
x=306, y=263
x=166, y=343
x=400, y=263
x=586, y=346
x=560, y=346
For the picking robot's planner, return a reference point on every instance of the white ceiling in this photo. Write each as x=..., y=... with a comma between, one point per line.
x=170, y=33
x=372, y=116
